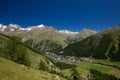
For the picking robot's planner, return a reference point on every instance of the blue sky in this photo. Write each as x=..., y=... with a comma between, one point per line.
x=73, y=15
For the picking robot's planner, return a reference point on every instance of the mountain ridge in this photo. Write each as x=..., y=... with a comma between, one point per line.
x=103, y=45
x=37, y=26
x=46, y=38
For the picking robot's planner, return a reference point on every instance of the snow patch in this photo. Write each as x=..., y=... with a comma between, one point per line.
x=40, y=26
x=67, y=32
x=2, y=27
x=13, y=25
x=31, y=27
x=12, y=29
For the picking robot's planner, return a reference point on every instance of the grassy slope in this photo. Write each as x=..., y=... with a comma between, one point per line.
x=84, y=67
x=33, y=56
x=103, y=45
x=36, y=58
x=107, y=62
x=12, y=71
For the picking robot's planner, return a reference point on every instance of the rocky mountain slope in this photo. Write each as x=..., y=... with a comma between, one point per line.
x=103, y=45
x=45, y=38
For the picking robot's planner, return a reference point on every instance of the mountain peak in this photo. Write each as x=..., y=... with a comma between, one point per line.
x=13, y=26
x=40, y=26
x=67, y=32
x=88, y=30
x=85, y=29
x=33, y=27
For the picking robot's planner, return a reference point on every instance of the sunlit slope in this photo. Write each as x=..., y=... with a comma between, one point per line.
x=10, y=70
x=103, y=45
x=13, y=49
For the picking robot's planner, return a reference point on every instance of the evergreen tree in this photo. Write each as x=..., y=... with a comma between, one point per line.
x=17, y=52
x=75, y=74
x=43, y=66
x=97, y=75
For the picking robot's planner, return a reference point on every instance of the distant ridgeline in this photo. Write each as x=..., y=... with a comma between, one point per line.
x=103, y=45
x=45, y=38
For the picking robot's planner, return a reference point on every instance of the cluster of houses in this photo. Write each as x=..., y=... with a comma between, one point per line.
x=60, y=58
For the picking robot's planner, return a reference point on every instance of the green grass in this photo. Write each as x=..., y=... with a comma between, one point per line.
x=107, y=62
x=35, y=59
x=84, y=68
x=88, y=65
x=10, y=70
x=19, y=50
x=32, y=56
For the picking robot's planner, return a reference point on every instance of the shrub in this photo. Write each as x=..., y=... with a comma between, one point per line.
x=75, y=74
x=97, y=75
x=17, y=52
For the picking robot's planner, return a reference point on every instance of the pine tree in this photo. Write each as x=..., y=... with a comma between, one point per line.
x=75, y=74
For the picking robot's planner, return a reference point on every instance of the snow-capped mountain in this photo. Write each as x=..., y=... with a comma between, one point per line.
x=14, y=27
x=33, y=27
x=11, y=27
x=38, y=26
x=45, y=38
x=67, y=32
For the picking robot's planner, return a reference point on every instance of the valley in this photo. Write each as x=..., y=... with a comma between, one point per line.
x=44, y=53
x=59, y=39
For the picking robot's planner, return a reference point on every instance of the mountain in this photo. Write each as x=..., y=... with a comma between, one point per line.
x=85, y=33
x=45, y=38
x=20, y=61
x=67, y=32
x=17, y=58
x=10, y=70
x=103, y=45
x=11, y=48
x=12, y=27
